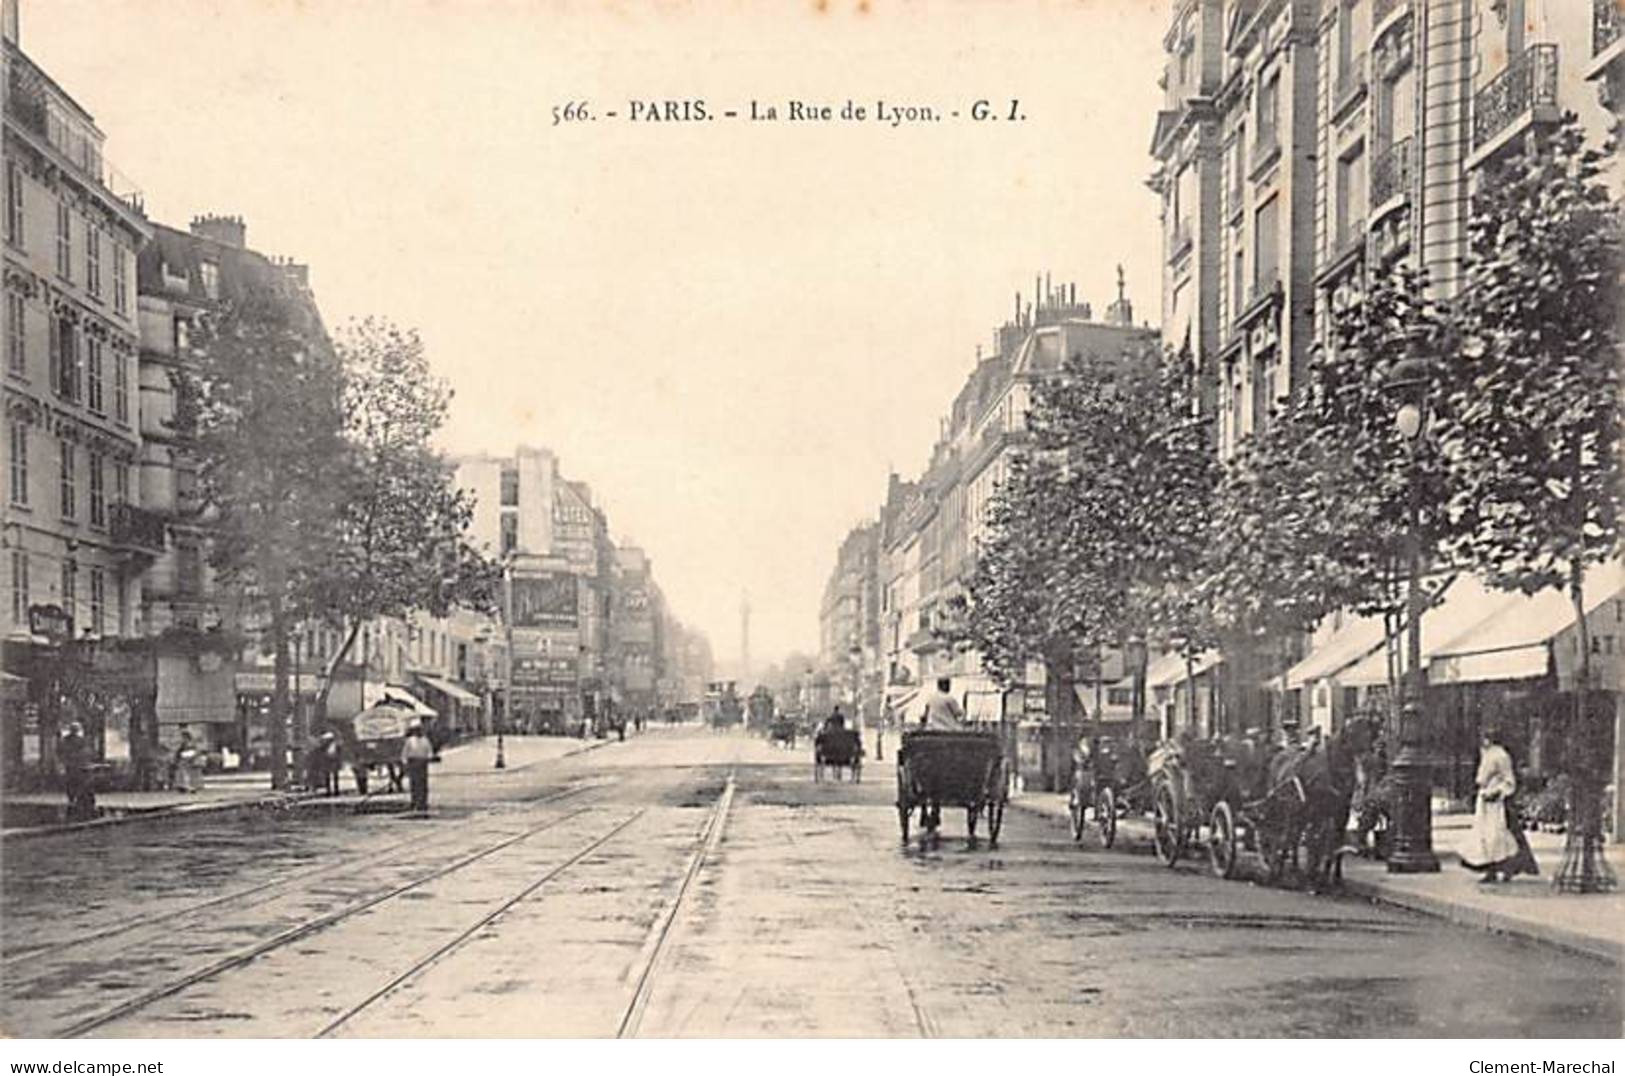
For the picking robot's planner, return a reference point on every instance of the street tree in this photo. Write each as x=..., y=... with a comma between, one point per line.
x=1098, y=535
x=1315, y=509
x=265, y=399
x=400, y=538
x=1535, y=433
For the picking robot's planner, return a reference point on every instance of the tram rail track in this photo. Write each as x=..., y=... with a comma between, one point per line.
x=632, y=1018
x=256, y=894
x=286, y=937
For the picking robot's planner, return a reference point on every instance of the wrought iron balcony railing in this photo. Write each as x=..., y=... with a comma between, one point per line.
x=1607, y=20
x=136, y=528
x=1391, y=171
x=28, y=102
x=1529, y=80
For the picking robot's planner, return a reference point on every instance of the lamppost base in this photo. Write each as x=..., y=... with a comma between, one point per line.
x=1420, y=861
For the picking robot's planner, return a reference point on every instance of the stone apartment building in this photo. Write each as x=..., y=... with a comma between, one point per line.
x=75, y=537
x=1368, y=124
x=561, y=566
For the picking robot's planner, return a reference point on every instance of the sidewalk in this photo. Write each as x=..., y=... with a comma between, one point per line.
x=33, y=814
x=38, y=814
x=1528, y=908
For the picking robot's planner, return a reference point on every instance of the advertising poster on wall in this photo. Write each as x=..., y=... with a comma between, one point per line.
x=545, y=601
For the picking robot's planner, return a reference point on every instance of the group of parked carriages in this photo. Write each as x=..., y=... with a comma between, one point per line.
x=1287, y=802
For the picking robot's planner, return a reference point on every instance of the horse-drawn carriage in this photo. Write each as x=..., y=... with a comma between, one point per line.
x=759, y=711
x=937, y=769
x=837, y=749
x=1278, y=801
x=722, y=708
x=783, y=731
x=371, y=742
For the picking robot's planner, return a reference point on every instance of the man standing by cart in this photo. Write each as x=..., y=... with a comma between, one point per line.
x=416, y=751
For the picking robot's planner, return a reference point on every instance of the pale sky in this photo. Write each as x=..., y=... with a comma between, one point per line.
x=730, y=330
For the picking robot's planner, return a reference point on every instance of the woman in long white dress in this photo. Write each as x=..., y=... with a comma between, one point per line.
x=1497, y=849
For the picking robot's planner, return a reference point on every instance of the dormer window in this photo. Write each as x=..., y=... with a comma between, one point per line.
x=210, y=274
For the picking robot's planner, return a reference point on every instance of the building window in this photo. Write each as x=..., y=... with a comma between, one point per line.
x=16, y=334
x=64, y=240
x=14, y=204
x=70, y=574
x=98, y=600
x=121, y=483
x=1266, y=239
x=93, y=374
x=93, y=259
x=510, y=532
x=68, y=485
x=121, y=387
x=19, y=464
x=121, y=280
x=98, y=490
x=1350, y=196
x=1269, y=107
x=210, y=272
x=510, y=487
x=19, y=587
x=65, y=377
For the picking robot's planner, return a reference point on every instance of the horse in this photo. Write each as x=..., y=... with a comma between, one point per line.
x=1310, y=789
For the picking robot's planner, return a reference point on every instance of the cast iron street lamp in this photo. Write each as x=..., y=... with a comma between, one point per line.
x=1411, y=851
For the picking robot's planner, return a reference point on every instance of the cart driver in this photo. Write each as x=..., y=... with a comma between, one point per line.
x=942, y=710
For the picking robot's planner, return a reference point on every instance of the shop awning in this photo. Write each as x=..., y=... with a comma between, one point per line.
x=398, y=695
x=1477, y=634
x=456, y=692
x=264, y=683
x=1348, y=644
x=1170, y=669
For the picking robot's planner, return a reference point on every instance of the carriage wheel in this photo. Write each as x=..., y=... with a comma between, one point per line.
x=1106, y=815
x=1167, y=834
x=1074, y=806
x=1221, y=841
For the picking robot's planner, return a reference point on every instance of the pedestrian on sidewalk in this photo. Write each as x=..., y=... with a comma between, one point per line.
x=74, y=755
x=1499, y=849
x=416, y=752
x=188, y=764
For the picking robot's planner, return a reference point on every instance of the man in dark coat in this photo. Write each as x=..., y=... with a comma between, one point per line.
x=74, y=755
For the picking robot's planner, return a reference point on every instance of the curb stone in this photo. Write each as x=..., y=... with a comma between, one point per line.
x=1484, y=919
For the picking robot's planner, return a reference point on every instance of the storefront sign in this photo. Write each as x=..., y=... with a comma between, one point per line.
x=50, y=621
x=543, y=671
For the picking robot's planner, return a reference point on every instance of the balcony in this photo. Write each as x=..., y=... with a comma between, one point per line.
x=136, y=528
x=1391, y=172
x=29, y=104
x=1606, y=22
x=1528, y=83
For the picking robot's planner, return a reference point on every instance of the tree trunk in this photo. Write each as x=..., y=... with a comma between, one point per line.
x=279, y=687
x=1584, y=869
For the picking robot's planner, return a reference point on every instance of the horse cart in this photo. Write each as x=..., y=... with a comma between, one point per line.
x=836, y=750
x=1116, y=781
x=371, y=742
x=783, y=731
x=953, y=769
